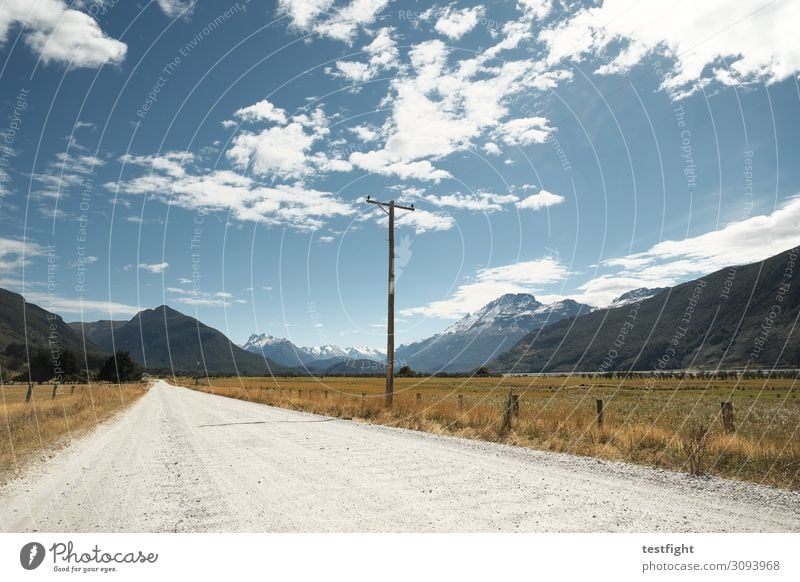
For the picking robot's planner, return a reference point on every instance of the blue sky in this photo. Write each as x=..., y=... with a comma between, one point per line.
x=216, y=156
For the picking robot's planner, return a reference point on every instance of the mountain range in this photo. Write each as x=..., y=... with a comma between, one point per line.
x=478, y=338
x=738, y=316
x=163, y=338
x=284, y=352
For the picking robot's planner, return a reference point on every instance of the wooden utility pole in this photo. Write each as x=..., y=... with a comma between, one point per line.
x=390, y=304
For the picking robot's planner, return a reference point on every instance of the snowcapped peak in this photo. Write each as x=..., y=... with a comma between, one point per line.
x=635, y=295
x=259, y=340
x=506, y=306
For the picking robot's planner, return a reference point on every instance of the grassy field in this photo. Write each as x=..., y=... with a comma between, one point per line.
x=27, y=428
x=670, y=423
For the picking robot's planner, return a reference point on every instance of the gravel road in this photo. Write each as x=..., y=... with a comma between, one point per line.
x=180, y=460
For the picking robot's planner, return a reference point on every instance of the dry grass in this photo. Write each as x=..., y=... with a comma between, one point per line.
x=33, y=427
x=646, y=421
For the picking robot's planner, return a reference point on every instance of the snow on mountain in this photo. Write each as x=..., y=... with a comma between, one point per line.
x=478, y=337
x=261, y=340
x=285, y=352
x=635, y=295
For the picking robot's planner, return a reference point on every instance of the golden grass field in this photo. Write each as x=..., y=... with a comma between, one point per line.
x=646, y=421
x=27, y=428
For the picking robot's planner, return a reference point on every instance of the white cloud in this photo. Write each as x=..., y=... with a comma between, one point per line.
x=382, y=50
x=262, y=111
x=383, y=55
x=67, y=169
x=492, y=149
x=222, y=190
x=535, y=9
x=279, y=150
x=455, y=23
x=490, y=283
x=345, y=22
x=16, y=253
x=60, y=34
x=421, y=221
x=365, y=133
x=479, y=201
x=326, y=239
x=355, y=71
x=154, y=267
x=438, y=108
x=540, y=200
x=672, y=261
x=303, y=12
x=170, y=163
x=730, y=42
x=379, y=162
x=340, y=24
x=173, y=8
x=282, y=150
x=524, y=131
x=60, y=304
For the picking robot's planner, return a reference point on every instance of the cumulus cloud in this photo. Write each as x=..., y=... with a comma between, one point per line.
x=262, y=111
x=60, y=34
x=492, y=148
x=281, y=150
x=727, y=42
x=383, y=55
x=173, y=8
x=455, y=23
x=540, y=200
x=523, y=131
x=440, y=105
x=321, y=17
x=490, y=283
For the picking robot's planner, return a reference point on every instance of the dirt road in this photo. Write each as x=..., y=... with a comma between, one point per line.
x=181, y=460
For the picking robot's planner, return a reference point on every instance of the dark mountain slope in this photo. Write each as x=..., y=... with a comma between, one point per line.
x=41, y=325
x=95, y=330
x=730, y=318
x=164, y=338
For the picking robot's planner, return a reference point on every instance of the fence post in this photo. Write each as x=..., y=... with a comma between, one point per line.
x=326, y=394
x=507, y=412
x=72, y=390
x=727, y=417
x=461, y=402
x=29, y=393
x=55, y=388
x=363, y=403
x=600, y=417
x=299, y=393
x=515, y=403
x=419, y=398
